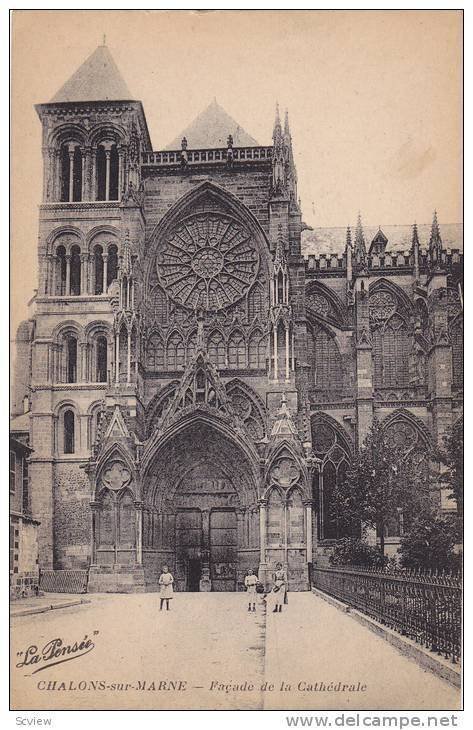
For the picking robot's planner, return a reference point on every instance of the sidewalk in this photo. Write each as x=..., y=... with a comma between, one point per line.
x=45, y=602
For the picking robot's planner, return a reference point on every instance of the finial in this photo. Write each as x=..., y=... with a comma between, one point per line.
x=104, y=40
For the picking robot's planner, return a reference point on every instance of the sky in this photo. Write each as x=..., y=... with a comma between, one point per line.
x=374, y=101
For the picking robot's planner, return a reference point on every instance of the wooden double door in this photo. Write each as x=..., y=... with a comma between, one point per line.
x=206, y=541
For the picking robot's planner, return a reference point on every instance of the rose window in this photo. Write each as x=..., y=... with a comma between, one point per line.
x=208, y=261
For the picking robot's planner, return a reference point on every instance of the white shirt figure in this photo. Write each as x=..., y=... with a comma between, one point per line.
x=165, y=581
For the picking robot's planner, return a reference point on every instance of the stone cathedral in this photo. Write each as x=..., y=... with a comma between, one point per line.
x=200, y=364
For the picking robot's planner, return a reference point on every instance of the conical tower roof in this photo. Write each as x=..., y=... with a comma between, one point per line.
x=211, y=129
x=98, y=79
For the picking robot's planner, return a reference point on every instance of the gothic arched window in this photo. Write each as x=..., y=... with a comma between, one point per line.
x=175, y=352
x=405, y=436
x=257, y=350
x=332, y=448
x=236, y=351
x=155, y=353
x=256, y=304
x=456, y=337
x=216, y=349
x=391, y=340
x=159, y=305
x=69, y=432
x=191, y=346
x=326, y=360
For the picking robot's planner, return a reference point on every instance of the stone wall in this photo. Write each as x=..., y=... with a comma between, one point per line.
x=72, y=517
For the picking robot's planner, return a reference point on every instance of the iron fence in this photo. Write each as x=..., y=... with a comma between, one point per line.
x=422, y=606
x=63, y=581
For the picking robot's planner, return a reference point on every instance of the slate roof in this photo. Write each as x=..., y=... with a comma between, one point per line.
x=332, y=240
x=98, y=79
x=211, y=129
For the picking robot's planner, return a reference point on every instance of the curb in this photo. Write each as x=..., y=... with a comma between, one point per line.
x=442, y=668
x=43, y=609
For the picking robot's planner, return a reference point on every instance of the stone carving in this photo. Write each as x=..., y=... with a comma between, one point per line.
x=323, y=438
x=208, y=261
x=318, y=304
x=285, y=472
x=381, y=306
x=116, y=477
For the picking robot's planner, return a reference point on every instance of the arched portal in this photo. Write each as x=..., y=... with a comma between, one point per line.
x=200, y=512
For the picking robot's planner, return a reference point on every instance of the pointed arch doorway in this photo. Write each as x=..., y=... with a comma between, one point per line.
x=200, y=491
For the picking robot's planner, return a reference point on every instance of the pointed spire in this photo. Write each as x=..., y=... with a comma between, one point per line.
x=277, y=130
x=360, y=246
x=415, y=237
x=287, y=131
x=98, y=79
x=435, y=243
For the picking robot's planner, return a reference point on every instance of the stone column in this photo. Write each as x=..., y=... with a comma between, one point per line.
x=121, y=171
x=71, y=173
x=86, y=154
x=117, y=357
x=263, y=509
x=240, y=515
x=107, y=173
x=105, y=272
x=93, y=175
x=53, y=275
x=308, y=522
x=56, y=183
x=139, y=532
x=275, y=351
x=94, y=508
x=128, y=358
x=68, y=275
x=287, y=353
x=83, y=274
x=83, y=376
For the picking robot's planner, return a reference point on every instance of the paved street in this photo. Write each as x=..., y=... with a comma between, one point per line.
x=222, y=656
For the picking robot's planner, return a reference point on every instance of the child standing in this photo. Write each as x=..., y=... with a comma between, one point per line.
x=250, y=583
x=165, y=581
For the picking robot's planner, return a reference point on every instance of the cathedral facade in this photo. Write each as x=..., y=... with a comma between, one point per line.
x=201, y=365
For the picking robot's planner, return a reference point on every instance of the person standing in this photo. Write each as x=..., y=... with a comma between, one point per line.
x=279, y=588
x=165, y=581
x=250, y=582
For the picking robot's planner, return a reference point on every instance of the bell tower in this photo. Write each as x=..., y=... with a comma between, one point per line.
x=93, y=135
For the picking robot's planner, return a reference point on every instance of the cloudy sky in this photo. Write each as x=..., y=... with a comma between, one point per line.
x=374, y=99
